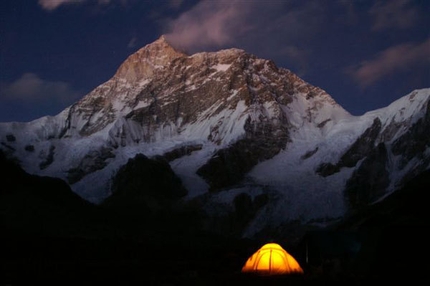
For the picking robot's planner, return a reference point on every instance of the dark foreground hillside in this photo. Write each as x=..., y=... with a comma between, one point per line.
x=50, y=236
x=64, y=261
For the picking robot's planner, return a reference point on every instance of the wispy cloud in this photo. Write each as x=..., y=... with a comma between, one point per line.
x=275, y=30
x=392, y=60
x=132, y=43
x=51, y=5
x=209, y=24
x=32, y=89
x=399, y=14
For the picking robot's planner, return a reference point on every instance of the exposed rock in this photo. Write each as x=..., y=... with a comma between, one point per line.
x=370, y=180
x=358, y=150
x=321, y=125
x=47, y=158
x=362, y=147
x=29, y=148
x=228, y=166
x=145, y=186
x=181, y=151
x=327, y=169
x=142, y=64
x=309, y=154
x=10, y=148
x=10, y=138
x=93, y=161
x=415, y=141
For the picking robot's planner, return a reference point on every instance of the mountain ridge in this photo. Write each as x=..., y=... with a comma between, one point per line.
x=233, y=125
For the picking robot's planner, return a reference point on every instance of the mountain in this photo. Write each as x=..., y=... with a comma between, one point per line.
x=256, y=149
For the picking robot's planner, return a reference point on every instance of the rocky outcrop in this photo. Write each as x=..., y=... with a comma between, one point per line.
x=228, y=166
x=93, y=161
x=144, y=62
x=145, y=186
x=358, y=150
x=415, y=141
x=47, y=159
x=369, y=181
x=181, y=151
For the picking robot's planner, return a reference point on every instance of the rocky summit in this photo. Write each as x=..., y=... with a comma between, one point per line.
x=249, y=144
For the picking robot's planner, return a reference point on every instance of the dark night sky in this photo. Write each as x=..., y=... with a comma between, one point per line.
x=364, y=53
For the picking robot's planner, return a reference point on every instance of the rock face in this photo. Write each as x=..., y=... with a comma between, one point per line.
x=414, y=144
x=358, y=150
x=369, y=181
x=233, y=128
x=159, y=93
x=144, y=63
x=145, y=185
x=228, y=166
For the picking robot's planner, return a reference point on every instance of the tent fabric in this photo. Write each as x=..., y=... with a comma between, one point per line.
x=272, y=259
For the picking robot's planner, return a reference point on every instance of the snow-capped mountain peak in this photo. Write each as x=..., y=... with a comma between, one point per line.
x=229, y=124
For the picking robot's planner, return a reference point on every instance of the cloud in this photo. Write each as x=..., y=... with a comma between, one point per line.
x=398, y=14
x=209, y=24
x=280, y=29
x=32, y=89
x=51, y=5
x=392, y=60
x=132, y=43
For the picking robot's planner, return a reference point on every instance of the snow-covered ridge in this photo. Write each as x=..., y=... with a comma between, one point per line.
x=161, y=99
x=409, y=107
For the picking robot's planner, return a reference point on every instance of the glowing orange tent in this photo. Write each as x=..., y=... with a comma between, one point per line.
x=272, y=259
